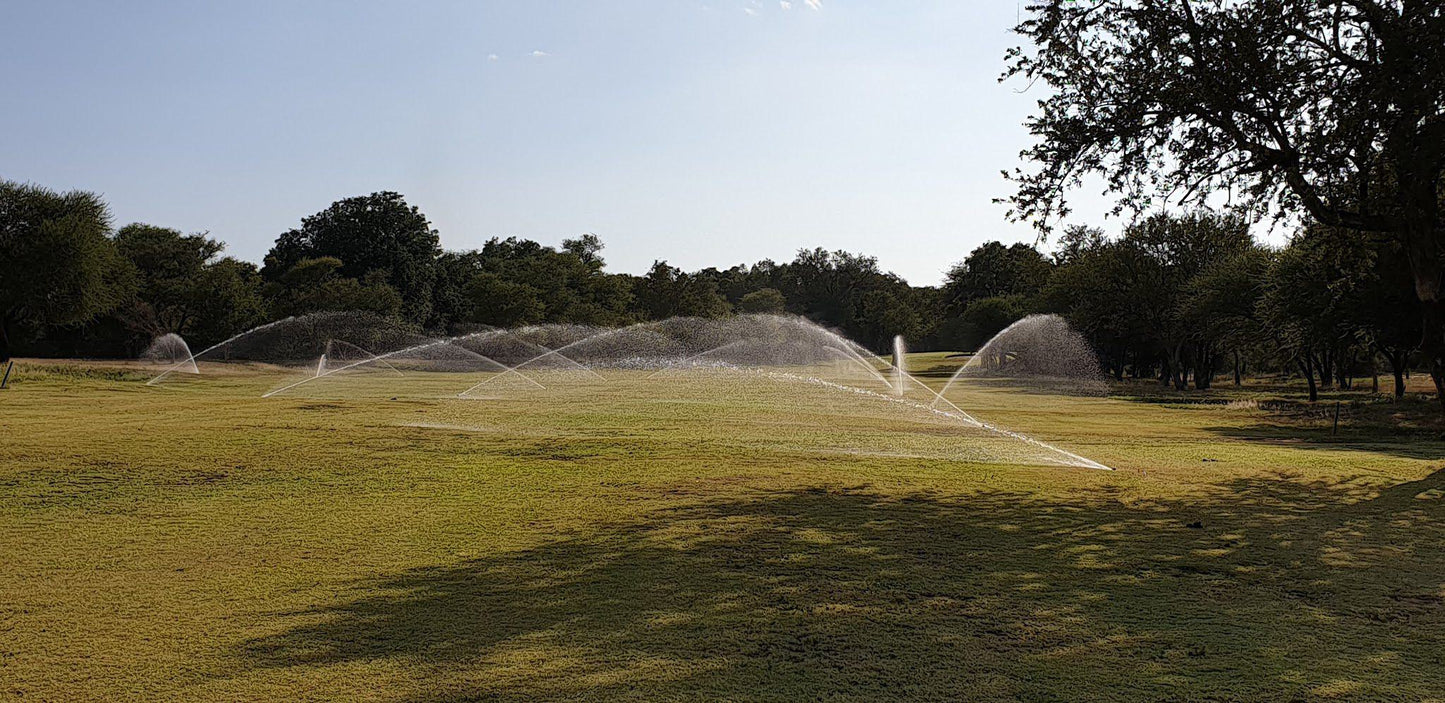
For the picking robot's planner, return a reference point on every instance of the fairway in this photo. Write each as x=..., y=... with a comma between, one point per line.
x=662, y=536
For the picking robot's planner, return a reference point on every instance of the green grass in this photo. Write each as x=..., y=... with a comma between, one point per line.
x=636, y=540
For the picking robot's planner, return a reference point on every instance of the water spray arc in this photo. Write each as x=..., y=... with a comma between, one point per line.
x=722, y=355
x=334, y=348
x=382, y=358
x=1037, y=346
x=691, y=360
x=191, y=358
x=517, y=368
x=900, y=354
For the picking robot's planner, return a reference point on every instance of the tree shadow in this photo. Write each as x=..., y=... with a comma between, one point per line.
x=1266, y=589
x=1348, y=439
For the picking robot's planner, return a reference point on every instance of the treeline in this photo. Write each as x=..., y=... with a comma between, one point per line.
x=69, y=286
x=1184, y=298
x=1178, y=298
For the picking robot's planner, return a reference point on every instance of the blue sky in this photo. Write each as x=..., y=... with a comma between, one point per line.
x=704, y=133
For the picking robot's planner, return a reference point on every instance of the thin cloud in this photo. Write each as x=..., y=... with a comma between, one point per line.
x=493, y=57
x=751, y=12
x=539, y=53
x=814, y=4
x=785, y=4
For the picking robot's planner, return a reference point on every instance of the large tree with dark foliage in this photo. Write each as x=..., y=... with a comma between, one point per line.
x=1112, y=292
x=1307, y=305
x=377, y=234
x=316, y=285
x=518, y=281
x=58, y=265
x=1133, y=297
x=995, y=270
x=1345, y=298
x=185, y=286
x=1330, y=108
x=667, y=291
x=1220, y=305
x=1390, y=313
x=829, y=288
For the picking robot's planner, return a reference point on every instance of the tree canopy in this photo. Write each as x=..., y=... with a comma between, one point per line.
x=1331, y=109
x=58, y=265
x=372, y=235
x=996, y=270
x=1176, y=297
x=184, y=286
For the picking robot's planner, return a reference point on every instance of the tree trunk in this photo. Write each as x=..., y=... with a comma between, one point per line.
x=1434, y=347
x=1399, y=361
x=1237, y=377
x=4, y=340
x=1181, y=369
x=1306, y=365
x=1437, y=374
x=1421, y=201
x=1324, y=367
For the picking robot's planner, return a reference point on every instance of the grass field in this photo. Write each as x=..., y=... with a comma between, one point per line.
x=648, y=541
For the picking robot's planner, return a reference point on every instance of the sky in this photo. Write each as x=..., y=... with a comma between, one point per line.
x=701, y=133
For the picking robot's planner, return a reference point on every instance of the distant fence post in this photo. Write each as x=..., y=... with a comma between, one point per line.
x=1336, y=428
x=6, y=379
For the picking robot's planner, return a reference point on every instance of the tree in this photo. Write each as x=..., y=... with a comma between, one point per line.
x=450, y=305
x=764, y=300
x=551, y=285
x=1131, y=297
x=232, y=300
x=1295, y=307
x=377, y=234
x=828, y=287
x=1371, y=302
x=1221, y=303
x=314, y=285
x=1184, y=246
x=986, y=317
x=58, y=265
x=1075, y=241
x=1316, y=297
x=183, y=287
x=1333, y=108
x=498, y=302
x=996, y=270
x=668, y=292
x=1390, y=312
x=1112, y=292
x=882, y=316
x=587, y=248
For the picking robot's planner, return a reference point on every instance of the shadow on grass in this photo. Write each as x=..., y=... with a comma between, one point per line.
x=1377, y=424
x=1371, y=440
x=937, y=371
x=1285, y=591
